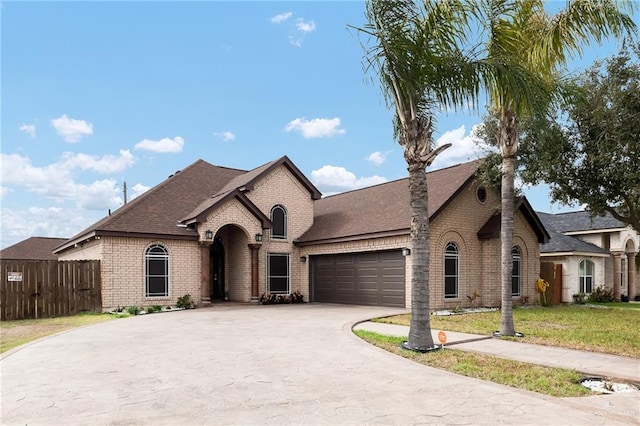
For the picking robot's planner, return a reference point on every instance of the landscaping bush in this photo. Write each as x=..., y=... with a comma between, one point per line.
x=185, y=302
x=600, y=295
x=274, y=299
x=154, y=308
x=580, y=298
x=133, y=310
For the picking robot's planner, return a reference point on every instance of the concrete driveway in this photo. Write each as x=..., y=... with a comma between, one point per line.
x=238, y=364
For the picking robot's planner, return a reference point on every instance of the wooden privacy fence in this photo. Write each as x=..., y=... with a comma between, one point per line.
x=553, y=274
x=49, y=288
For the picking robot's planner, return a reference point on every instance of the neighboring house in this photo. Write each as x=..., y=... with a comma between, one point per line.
x=593, y=251
x=33, y=248
x=212, y=232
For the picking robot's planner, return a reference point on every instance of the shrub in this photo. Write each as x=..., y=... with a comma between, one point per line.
x=580, y=298
x=185, y=302
x=154, y=308
x=273, y=299
x=600, y=295
x=133, y=310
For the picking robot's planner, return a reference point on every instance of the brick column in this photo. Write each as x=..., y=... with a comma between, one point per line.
x=205, y=273
x=254, y=272
x=617, y=275
x=631, y=261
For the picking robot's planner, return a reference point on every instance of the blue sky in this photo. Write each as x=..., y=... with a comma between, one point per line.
x=98, y=93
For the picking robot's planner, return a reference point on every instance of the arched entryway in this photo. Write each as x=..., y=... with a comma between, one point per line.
x=231, y=264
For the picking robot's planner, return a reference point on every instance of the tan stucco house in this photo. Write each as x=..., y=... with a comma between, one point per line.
x=593, y=251
x=212, y=231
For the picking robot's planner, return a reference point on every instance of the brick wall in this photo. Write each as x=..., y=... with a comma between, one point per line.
x=91, y=250
x=123, y=271
x=479, y=261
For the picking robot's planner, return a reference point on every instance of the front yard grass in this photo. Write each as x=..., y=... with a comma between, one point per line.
x=546, y=380
x=604, y=330
x=19, y=332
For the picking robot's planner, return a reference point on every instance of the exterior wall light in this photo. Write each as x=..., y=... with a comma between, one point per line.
x=258, y=237
x=406, y=251
x=303, y=259
x=208, y=234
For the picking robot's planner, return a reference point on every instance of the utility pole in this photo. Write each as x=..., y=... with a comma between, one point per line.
x=124, y=189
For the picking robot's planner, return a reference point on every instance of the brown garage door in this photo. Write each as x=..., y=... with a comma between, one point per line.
x=373, y=278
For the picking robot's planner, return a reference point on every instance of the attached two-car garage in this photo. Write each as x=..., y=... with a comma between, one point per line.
x=370, y=278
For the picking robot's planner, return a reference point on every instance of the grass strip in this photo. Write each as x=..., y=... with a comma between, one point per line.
x=602, y=330
x=556, y=382
x=19, y=332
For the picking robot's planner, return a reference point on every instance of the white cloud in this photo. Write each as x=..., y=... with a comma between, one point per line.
x=99, y=195
x=29, y=129
x=316, y=128
x=225, y=136
x=70, y=129
x=332, y=179
x=281, y=17
x=463, y=148
x=298, y=30
x=56, y=181
x=165, y=145
x=107, y=164
x=377, y=158
x=305, y=27
x=139, y=189
x=18, y=225
x=4, y=191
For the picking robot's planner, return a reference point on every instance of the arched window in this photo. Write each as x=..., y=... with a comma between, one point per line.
x=586, y=276
x=451, y=261
x=279, y=220
x=516, y=255
x=156, y=260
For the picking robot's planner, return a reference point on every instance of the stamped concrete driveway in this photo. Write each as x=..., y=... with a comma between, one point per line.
x=236, y=364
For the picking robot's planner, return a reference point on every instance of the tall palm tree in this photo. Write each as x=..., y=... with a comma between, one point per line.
x=523, y=32
x=416, y=56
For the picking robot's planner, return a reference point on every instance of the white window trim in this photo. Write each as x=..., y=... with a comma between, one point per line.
x=580, y=276
x=288, y=256
x=519, y=293
x=146, y=275
x=286, y=217
x=457, y=275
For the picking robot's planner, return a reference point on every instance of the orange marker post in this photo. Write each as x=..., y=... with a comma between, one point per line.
x=442, y=336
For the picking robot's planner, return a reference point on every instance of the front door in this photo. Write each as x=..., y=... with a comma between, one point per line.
x=217, y=270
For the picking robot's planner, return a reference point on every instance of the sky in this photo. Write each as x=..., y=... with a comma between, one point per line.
x=96, y=94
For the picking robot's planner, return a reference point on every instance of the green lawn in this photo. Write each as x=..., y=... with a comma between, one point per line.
x=603, y=329
x=546, y=380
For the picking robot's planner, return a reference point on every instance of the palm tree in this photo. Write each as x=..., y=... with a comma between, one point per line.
x=415, y=54
x=522, y=32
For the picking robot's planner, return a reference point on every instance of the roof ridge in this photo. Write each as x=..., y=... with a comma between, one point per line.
x=399, y=179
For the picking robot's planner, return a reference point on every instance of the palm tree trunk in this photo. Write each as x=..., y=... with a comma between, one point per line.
x=420, y=338
x=506, y=237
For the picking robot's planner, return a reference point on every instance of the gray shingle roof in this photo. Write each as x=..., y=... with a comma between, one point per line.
x=582, y=221
x=560, y=243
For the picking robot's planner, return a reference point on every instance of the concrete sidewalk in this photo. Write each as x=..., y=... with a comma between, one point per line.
x=587, y=363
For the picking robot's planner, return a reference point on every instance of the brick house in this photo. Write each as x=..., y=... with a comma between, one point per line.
x=593, y=251
x=212, y=232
